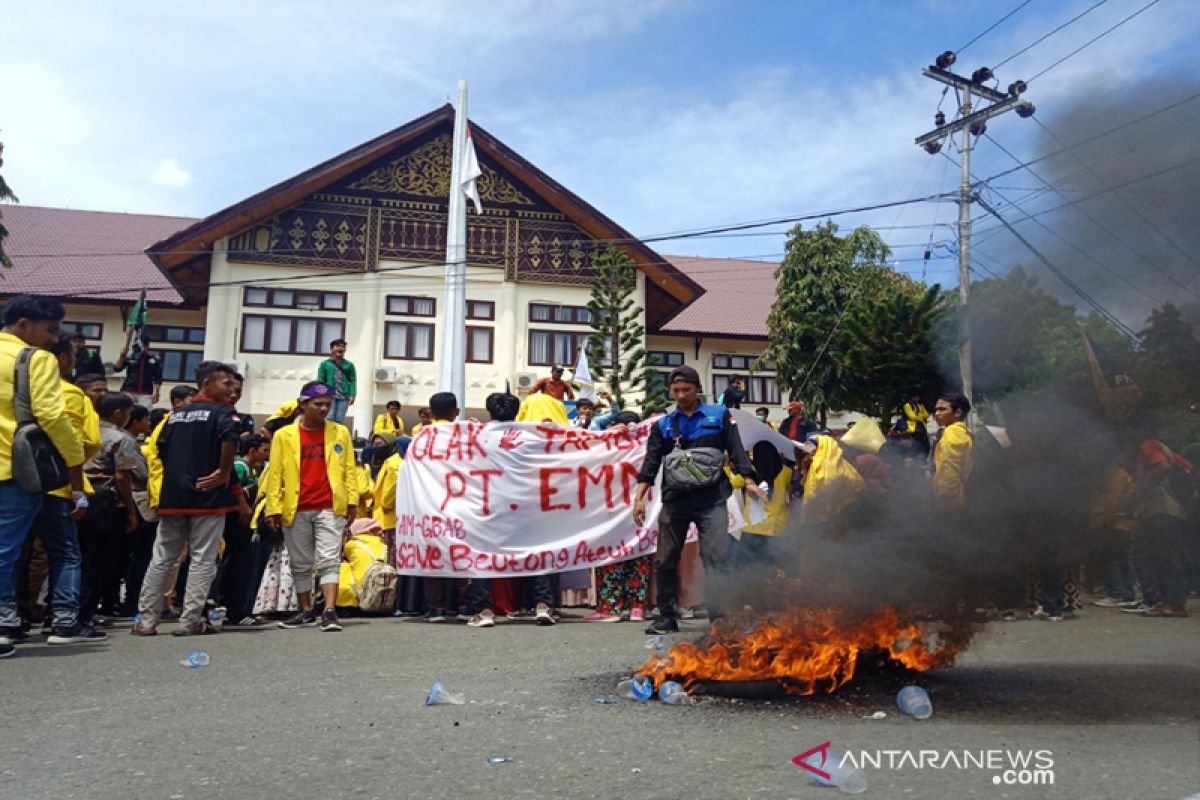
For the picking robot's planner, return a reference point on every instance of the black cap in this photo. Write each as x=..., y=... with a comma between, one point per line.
x=584, y=401
x=684, y=374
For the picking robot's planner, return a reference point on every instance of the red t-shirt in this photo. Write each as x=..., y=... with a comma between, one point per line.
x=315, y=491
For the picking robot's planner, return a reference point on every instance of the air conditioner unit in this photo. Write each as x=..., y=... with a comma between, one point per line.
x=526, y=380
x=385, y=374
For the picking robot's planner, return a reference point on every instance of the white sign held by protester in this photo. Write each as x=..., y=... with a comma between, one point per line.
x=521, y=498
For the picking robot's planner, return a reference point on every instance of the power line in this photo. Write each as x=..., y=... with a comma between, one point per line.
x=1074, y=287
x=1093, y=40
x=992, y=27
x=1075, y=204
x=1043, y=38
x=1190, y=98
x=1136, y=211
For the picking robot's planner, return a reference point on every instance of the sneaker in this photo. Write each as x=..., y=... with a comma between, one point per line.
x=686, y=613
x=637, y=615
x=170, y=614
x=143, y=630
x=661, y=626
x=11, y=635
x=1140, y=608
x=600, y=617
x=301, y=619
x=7, y=650
x=434, y=615
x=248, y=622
x=201, y=628
x=485, y=619
x=544, y=616
x=520, y=613
x=1166, y=611
x=101, y=621
x=1114, y=602
x=463, y=617
x=76, y=634
x=1047, y=616
x=329, y=621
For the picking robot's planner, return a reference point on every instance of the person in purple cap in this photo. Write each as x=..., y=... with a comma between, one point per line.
x=312, y=492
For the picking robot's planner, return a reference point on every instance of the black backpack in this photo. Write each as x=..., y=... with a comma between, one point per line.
x=37, y=465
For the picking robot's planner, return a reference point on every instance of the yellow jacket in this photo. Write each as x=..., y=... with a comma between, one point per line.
x=916, y=415
x=154, y=464
x=86, y=423
x=952, y=465
x=384, y=425
x=385, y=492
x=45, y=400
x=282, y=484
x=776, y=507
x=543, y=408
x=832, y=483
x=285, y=411
x=366, y=486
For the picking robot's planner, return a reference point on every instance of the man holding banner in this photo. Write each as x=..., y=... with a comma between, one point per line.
x=690, y=446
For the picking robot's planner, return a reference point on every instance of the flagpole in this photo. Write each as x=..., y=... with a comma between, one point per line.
x=452, y=372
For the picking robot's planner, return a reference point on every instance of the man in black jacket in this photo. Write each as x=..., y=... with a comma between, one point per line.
x=691, y=425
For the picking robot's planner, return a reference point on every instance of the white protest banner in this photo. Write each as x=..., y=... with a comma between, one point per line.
x=518, y=498
x=521, y=498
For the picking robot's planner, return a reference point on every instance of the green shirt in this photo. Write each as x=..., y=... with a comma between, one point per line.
x=341, y=378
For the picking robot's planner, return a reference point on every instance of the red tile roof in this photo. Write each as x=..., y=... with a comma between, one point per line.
x=86, y=255
x=737, y=298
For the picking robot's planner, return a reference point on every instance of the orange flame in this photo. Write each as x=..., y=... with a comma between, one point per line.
x=806, y=650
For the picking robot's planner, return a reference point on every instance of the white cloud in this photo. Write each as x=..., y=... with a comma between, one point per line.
x=169, y=173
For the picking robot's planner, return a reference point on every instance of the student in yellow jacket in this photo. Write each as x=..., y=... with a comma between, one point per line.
x=29, y=322
x=385, y=492
x=312, y=492
x=390, y=422
x=55, y=523
x=952, y=457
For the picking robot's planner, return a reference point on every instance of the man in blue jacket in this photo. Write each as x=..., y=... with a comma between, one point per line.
x=692, y=441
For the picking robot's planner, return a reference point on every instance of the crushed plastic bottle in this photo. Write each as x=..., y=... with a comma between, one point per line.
x=658, y=644
x=846, y=778
x=639, y=688
x=195, y=660
x=439, y=696
x=605, y=701
x=494, y=761
x=672, y=693
x=914, y=701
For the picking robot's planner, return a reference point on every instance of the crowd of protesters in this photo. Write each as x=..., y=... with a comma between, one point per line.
x=197, y=516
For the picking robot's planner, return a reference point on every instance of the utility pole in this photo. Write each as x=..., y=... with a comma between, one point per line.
x=970, y=123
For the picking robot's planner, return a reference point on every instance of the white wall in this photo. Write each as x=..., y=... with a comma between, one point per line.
x=275, y=378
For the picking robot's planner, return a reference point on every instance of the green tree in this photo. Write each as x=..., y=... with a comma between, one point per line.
x=1167, y=368
x=5, y=194
x=892, y=348
x=618, y=335
x=823, y=280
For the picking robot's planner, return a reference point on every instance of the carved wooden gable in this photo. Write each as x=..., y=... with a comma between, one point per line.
x=396, y=207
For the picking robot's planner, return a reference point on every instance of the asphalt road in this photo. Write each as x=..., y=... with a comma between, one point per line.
x=1116, y=699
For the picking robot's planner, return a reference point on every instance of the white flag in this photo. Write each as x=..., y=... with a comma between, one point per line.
x=470, y=173
x=583, y=375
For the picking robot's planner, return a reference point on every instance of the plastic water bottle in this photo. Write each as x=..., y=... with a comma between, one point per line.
x=658, y=644
x=195, y=660
x=847, y=779
x=914, y=701
x=439, y=696
x=639, y=688
x=672, y=693
x=216, y=617
x=494, y=761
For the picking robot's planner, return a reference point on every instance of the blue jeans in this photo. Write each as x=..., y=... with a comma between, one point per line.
x=56, y=529
x=17, y=512
x=337, y=412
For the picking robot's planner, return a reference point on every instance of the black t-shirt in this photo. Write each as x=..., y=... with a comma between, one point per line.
x=89, y=363
x=190, y=448
x=143, y=371
x=733, y=397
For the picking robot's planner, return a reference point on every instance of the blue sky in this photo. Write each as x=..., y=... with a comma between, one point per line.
x=665, y=115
